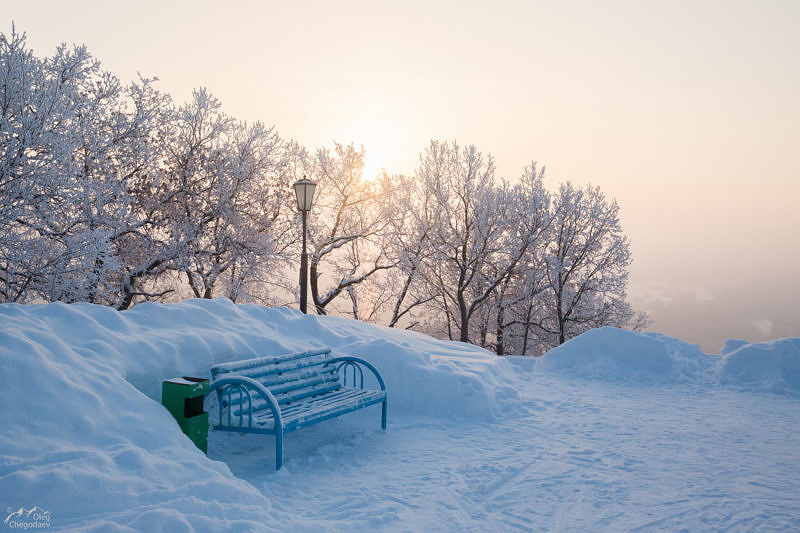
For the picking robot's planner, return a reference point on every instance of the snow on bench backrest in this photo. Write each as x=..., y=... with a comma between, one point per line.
x=289, y=377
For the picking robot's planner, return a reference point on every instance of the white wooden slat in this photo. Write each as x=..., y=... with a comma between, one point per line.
x=319, y=406
x=295, y=396
x=237, y=367
x=307, y=381
x=297, y=374
x=333, y=409
x=292, y=390
x=264, y=371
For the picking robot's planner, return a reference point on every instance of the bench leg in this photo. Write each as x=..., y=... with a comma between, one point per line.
x=383, y=416
x=278, y=449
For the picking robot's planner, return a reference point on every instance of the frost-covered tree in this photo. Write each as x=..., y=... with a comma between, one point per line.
x=345, y=228
x=472, y=241
x=586, y=265
x=116, y=159
x=75, y=143
x=408, y=242
x=30, y=116
x=108, y=188
x=226, y=193
x=515, y=300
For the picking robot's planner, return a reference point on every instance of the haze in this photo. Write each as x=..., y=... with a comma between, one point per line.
x=686, y=112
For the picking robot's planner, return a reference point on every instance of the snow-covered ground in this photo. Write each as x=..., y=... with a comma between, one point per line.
x=612, y=431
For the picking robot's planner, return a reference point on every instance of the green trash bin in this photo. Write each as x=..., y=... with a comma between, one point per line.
x=183, y=397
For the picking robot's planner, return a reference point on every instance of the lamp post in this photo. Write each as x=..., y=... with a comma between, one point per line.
x=304, y=191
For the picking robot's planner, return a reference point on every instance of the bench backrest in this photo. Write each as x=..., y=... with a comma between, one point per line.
x=289, y=377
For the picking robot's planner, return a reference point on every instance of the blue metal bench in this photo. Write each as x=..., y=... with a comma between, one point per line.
x=282, y=393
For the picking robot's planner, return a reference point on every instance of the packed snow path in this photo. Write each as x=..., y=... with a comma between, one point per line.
x=585, y=457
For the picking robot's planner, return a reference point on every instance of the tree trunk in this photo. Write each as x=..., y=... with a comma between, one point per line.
x=462, y=310
x=500, y=348
x=193, y=284
x=403, y=293
x=126, y=300
x=352, y=293
x=462, y=304
x=526, y=330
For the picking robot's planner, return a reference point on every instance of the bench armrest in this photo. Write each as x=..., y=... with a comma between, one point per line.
x=341, y=361
x=244, y=383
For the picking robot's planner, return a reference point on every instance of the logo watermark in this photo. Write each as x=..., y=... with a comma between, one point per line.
x=34, y=518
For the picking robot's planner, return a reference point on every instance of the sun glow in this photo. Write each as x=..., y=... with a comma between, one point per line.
x=384, y=138
x=373, y=162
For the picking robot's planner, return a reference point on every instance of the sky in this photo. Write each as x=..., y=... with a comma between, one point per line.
x=686, y=112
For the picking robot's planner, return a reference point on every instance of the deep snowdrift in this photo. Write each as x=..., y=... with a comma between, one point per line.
x=84, y=435
x=81, y=442
x=626, y=357
x=621, y=356
x=772, y=366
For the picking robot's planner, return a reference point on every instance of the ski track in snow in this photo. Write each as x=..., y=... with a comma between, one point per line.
x=671, y=466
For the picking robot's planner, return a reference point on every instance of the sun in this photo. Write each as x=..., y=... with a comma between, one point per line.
x=377, y=133
x=377, y=152
x=384, y=138
x=373, y=163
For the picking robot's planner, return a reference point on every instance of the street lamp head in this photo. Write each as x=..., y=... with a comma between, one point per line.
x=304, y=190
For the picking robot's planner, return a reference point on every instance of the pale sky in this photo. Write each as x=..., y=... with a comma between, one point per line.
x=686, y=112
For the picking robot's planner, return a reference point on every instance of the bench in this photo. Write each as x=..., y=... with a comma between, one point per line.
x=278, y=394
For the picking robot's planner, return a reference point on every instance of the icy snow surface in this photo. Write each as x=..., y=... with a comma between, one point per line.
x=612, y=431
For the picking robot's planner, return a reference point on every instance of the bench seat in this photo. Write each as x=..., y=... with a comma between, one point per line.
x=316, y=409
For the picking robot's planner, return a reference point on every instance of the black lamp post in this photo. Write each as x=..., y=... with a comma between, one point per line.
x=304, y=190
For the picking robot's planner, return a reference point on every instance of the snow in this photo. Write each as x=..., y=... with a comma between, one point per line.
x=614, y=430
x=763, y=367
x=627, y=357
x=732, y=345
